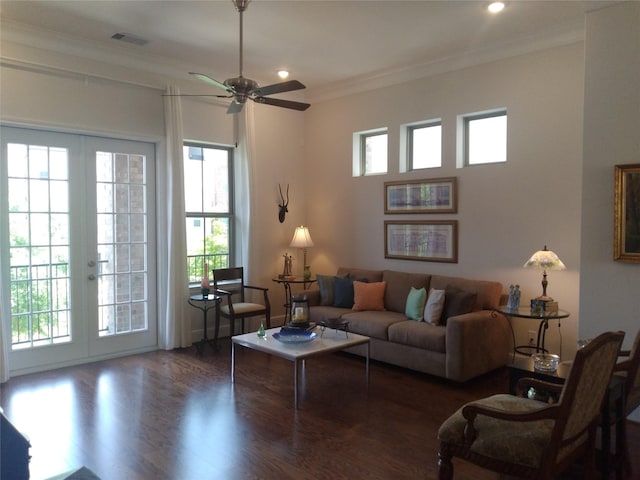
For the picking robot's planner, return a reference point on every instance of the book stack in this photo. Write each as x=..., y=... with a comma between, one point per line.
x=541, y=307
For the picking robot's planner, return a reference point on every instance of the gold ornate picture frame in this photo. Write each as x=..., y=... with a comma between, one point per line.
x=626, y=236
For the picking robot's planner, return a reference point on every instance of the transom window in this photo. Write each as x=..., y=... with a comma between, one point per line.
x=485, y=137
x=370, y=152
x=208, y=177
x=424, y=145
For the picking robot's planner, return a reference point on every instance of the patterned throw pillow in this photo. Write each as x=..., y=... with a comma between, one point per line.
x=416, y=299
x=368, y=296
x=326, y=283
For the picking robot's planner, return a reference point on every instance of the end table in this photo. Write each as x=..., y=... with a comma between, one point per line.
x=206, y=303
x=544, y=317
x=286, y=282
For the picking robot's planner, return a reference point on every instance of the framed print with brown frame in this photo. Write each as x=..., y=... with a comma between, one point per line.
x=426, y=240
x=437, y=195
x=626, y=236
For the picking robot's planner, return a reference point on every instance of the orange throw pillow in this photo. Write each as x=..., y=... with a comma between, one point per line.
x=368, y=296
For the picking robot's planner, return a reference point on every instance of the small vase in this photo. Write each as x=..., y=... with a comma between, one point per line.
x=261, y=332
x=307, y=272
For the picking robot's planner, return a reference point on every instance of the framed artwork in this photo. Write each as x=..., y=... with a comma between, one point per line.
x=436, y=195
x=429, y=241
x=626, y=236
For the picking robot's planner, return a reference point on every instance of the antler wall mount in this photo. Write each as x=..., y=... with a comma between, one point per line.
x=283, y=206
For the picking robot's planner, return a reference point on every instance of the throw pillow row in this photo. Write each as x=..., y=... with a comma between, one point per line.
x=439, y=305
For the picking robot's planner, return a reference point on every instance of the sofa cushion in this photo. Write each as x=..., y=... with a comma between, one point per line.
x=371, y=323
x=368, y=296
x=488, y=292
x=434, y=307
x=419, y=334
x=359, y=273
x=457, y=302
x=398, y=286
x=414, y=309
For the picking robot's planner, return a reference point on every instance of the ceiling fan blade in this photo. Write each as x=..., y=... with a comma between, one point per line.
x=195, y=95
x=211, y=81
x=235, y=107
x=277, y=102
x=288, y=86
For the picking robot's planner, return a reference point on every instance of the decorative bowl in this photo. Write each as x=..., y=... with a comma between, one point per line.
x=545, y=362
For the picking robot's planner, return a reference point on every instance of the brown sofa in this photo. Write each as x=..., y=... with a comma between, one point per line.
x=462, y=347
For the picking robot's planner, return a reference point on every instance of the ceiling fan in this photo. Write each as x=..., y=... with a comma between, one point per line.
x=240, y=88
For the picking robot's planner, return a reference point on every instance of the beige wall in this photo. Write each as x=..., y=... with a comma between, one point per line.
x=505, y=213
x=609, y=291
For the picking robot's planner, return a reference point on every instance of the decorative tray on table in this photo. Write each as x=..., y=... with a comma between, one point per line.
x=301, y=336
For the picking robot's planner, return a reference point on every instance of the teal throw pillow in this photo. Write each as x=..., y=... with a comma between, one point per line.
x=326, y=283
x=415, y=303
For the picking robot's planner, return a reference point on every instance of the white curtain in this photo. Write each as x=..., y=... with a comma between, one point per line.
x=173, y=285
x=5, y=326
x=244, y=179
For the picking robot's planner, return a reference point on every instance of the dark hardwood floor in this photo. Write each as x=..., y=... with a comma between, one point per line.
x=172, y=415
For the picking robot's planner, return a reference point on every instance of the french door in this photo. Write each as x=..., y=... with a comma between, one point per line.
x=76, y=236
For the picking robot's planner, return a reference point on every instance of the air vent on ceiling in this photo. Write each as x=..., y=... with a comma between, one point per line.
x=130, y=38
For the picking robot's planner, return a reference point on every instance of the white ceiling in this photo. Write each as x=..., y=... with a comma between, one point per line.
x=325, y=44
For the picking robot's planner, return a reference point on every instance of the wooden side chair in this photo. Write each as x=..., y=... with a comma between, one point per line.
x=517, y=436
x=629, y=369
x=230, y=281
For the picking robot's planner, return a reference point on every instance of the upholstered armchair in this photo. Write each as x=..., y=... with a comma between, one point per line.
x=518, y=436
x=230, y=281
x=629, y=369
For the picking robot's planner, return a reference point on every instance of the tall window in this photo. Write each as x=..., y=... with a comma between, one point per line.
x=424, y=143
x=485, y=137
x=208, y=177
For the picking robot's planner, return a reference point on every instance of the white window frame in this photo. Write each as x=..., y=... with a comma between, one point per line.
x=228, y=215
x=464, y=138
x=360, y=152
x=407, y=162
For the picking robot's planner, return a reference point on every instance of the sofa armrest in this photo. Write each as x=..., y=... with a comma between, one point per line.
x=476, y=343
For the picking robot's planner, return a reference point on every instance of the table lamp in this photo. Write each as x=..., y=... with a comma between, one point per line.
x=302, y=239
x=544, y=260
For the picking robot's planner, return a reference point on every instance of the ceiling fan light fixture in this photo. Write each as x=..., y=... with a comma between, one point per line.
x=283, y=74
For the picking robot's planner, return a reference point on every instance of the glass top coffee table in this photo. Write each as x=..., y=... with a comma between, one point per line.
x=330, y=341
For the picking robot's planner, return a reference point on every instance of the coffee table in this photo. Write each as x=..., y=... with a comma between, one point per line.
x=331, y=341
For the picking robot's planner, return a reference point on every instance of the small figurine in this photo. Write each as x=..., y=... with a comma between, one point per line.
x=287, y=266
x=516, y=298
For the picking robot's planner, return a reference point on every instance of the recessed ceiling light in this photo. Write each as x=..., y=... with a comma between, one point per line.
x=283, y=74
x=496, y=7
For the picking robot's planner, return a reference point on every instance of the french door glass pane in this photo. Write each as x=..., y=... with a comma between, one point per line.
x=122, y=248
x=39, y=250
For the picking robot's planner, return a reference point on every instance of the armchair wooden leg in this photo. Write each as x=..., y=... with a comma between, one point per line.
x=445, y=467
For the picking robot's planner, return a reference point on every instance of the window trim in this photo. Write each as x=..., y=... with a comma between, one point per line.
x=407, y=133
x=463, y=135
x=360, y=150
x=230, y=215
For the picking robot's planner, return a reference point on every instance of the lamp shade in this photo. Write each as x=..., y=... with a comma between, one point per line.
x=545, y=260
x=301, y=238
